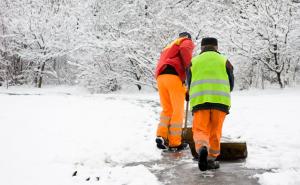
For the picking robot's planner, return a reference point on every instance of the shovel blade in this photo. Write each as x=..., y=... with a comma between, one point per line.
x=230, y=150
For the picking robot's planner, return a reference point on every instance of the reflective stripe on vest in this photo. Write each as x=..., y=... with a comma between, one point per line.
x=210, y=81
x=211, y=93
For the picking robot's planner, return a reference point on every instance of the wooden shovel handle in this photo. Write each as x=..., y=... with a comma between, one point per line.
x=186, y=114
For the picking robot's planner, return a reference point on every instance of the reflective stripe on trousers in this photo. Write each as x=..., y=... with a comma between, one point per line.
x=164, y=121
x=175, y=132
x=165, y=118
x=207, y=130
x=214, y=152
x=163, y=125
x=172, y=93
x=201, y=142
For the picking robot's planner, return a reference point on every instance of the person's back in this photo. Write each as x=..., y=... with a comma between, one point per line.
x=210, y=84
x=177, y=55
x=170, y=75
x=210, y=81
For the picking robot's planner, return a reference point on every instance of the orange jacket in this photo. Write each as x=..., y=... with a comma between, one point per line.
x=178, y=54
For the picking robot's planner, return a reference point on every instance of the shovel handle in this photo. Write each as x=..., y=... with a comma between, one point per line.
x=186, y=114
x=184, y=131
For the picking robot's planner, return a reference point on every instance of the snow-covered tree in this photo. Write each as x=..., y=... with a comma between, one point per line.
x=107, y=45
x=264, y=32
x=39, y=32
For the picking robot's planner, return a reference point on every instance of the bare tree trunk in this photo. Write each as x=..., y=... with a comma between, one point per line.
x=135, y=74
x=262, y=79
x=138, y=79
x=279, y=79
x=295, y=74
x=7, y=68
x=36, y=75
x=41, y=75
x=278, y=74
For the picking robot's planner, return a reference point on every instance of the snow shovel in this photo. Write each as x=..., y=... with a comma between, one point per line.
x=230, y=150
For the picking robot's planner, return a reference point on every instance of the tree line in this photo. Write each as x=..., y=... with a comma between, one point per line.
x=107, y=45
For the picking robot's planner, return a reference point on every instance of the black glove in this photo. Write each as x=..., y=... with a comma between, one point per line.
x=187, y=96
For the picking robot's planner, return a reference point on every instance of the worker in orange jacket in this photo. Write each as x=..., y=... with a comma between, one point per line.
x=210, y=83
x=171, y=75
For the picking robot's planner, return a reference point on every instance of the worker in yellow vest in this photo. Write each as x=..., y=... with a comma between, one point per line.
x=210, y=82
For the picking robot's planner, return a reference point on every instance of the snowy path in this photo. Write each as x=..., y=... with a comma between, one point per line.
x=109, y=139
x=179, y=168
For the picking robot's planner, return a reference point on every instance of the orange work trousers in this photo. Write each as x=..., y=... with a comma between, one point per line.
x=172, y=94
x=207, y=130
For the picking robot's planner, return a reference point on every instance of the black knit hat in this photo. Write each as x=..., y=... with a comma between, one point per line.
x=209, y=41
x=185, y=34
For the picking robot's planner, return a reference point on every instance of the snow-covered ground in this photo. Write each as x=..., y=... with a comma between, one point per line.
x=270, y=123
x=47, y=136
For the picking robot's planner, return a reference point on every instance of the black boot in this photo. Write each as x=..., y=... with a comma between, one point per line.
x=202, y=159
x=161, y=143
x=212, y=164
